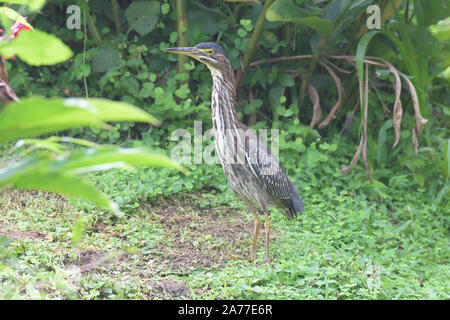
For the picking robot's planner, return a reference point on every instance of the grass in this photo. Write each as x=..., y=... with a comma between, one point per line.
x=182, y=240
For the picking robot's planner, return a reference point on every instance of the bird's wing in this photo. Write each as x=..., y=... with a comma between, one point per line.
x=267, y=169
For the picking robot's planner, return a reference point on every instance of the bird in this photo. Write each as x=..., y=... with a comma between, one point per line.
x=253, y=172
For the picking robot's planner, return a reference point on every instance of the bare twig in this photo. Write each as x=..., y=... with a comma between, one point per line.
x=257, y=62
x=317, y=111
x=331, y=115
x=7, y=93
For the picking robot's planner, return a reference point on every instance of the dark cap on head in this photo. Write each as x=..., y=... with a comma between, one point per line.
x=211, y=45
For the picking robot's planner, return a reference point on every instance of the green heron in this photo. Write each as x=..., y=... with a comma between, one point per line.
x=253, y=172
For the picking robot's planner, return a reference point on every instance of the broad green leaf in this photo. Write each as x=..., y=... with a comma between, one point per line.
x=142, y=16
x=435, y=10
x=108, y=110
x=286, y=79
x=135, y=157
x=60, y=174
x=36, y=48
x=361, y=51
x=34, y=173
x=202, y=20
x=62, y=184
x=36, y=115
x=46, y=144
x=13, y=15
x=343, y=13
x=413, y=56
x=33, y=5
x=287, y=11
x=105, y=59
x=381, y=148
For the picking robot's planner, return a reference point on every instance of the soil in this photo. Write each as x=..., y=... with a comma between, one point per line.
x=194, y=238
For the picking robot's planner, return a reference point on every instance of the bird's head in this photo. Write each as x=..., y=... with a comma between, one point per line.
x=209, y=53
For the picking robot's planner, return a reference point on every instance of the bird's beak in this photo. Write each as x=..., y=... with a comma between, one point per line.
x=188, y=51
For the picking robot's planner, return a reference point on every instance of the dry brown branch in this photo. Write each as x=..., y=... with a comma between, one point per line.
x=331, y=115
x=386, y=109
x=397, y=111
x=317, y=111
x=336, y=67
x=354, y=160
x=7, y=93
x=262, y=61
x=420, y=121
x=366, y=112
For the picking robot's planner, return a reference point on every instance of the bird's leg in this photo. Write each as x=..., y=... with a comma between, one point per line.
x=256, y=221
x=267, y=231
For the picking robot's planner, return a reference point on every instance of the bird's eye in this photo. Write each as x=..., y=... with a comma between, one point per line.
x=210, y=52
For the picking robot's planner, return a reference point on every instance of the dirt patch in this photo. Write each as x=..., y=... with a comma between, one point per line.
x=168, y=289
x=90, y=260
x=18, y=235
x=199, y=237
x=14, y=200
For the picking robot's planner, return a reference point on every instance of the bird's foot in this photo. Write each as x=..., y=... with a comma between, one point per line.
x=239, y=257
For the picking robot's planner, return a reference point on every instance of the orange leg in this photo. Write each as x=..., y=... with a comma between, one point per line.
x=267, y=231
x=256, y=221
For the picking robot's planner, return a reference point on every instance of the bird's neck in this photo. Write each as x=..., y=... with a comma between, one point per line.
x=223, y=101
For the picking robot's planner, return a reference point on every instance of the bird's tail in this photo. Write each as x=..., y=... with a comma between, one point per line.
x=294, y=204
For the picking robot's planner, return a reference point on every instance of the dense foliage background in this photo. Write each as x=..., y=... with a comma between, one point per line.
x=119, y=55
x=124, y=61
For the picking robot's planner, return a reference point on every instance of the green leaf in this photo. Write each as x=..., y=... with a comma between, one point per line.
x=13, y=15
x=286, y=79
x=287, y=11
x=36, y=116
x=36, y=48
x=360, y=54
x=61, y=175
x=381, y=149
x=41, y=144
x=202, y=20
x=135, y=157
x=86, y=69
x=33, y=5
x=106, y=59
x=108, y=110
x=361, y=51
x=436, y=10
x=33, y=173
x=143, y=16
